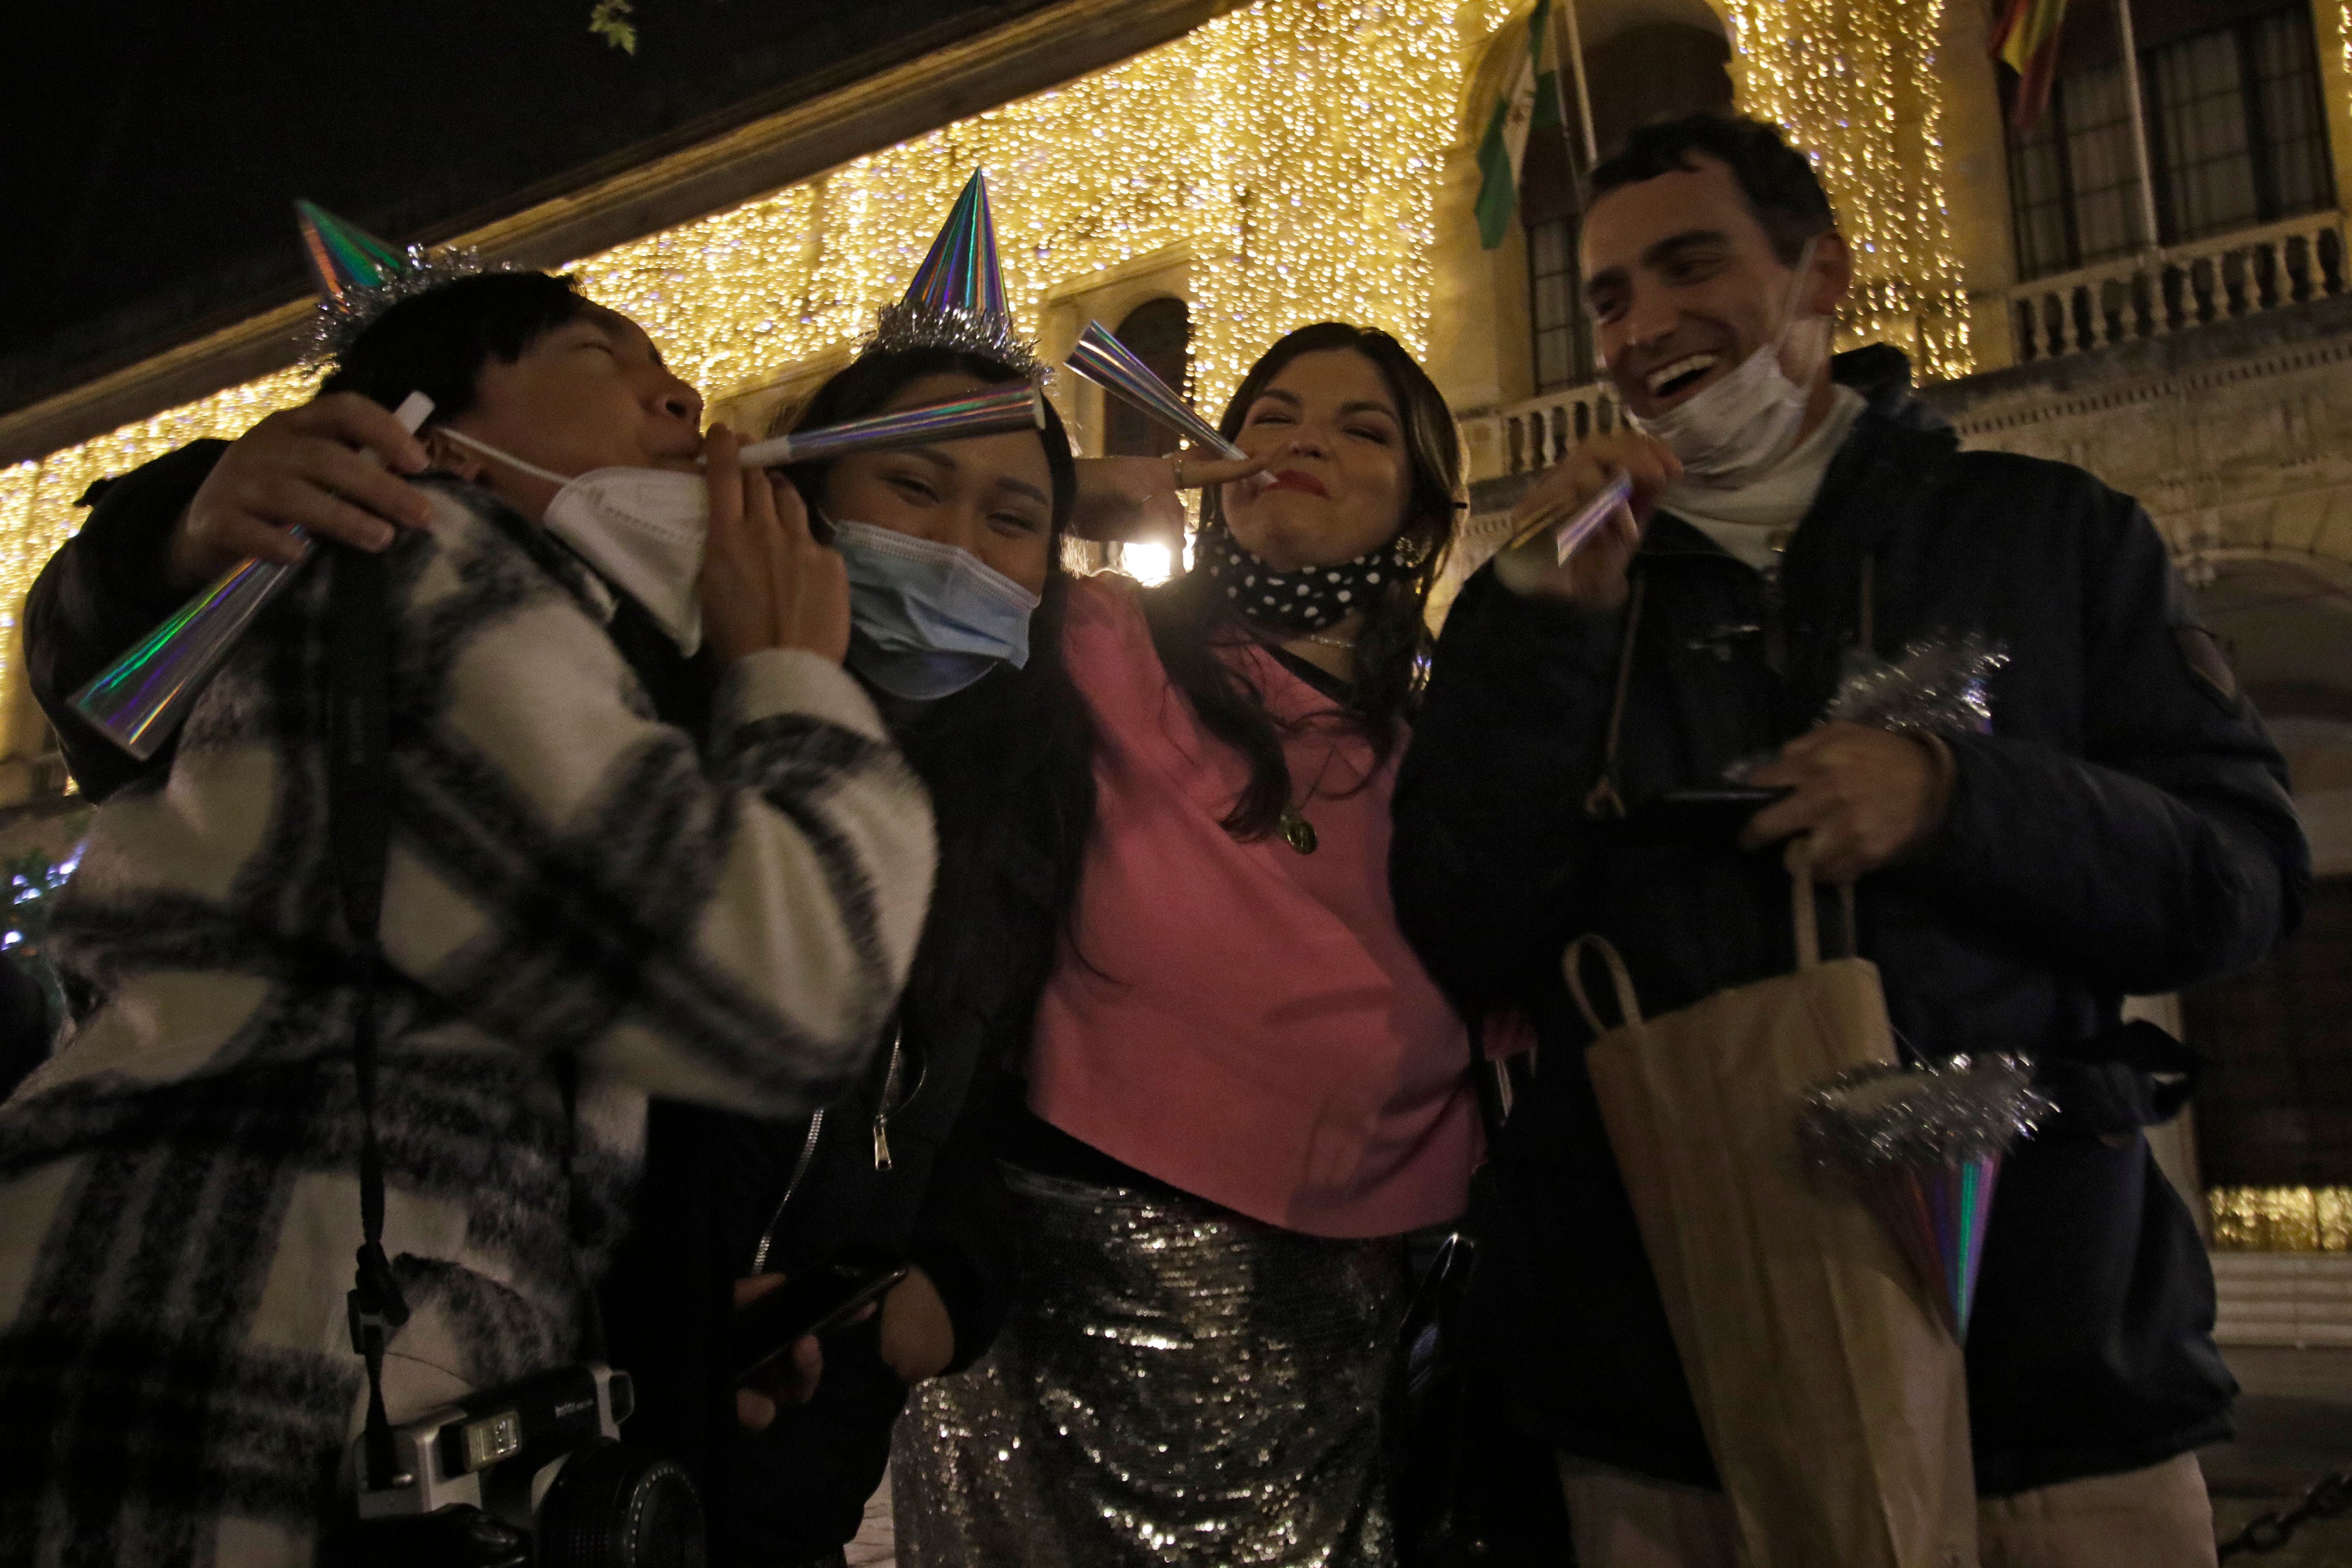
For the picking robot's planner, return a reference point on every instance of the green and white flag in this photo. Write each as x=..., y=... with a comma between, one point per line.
x=1532, y=102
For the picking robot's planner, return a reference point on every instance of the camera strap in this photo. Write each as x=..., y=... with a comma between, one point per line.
x=359, y=826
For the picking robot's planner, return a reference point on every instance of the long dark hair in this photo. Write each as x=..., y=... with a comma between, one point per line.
x=1009, y=760
x=1190, y=620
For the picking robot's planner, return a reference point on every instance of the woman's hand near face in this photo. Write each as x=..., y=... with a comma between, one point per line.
x=314, y=467
x=1132, y=499
x=766, y=583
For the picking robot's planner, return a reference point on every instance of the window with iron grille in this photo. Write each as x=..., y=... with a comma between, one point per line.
x=2235, y=130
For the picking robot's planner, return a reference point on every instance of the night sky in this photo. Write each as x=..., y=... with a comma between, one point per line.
x=150, y=153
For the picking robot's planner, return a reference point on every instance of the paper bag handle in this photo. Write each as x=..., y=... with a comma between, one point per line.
x=1800, y=862
x=1571, y=966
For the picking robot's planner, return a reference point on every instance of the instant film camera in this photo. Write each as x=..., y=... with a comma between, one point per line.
x=532, y=1473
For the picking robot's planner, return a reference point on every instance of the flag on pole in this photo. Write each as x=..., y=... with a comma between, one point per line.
x=2025, y=38
x=1531, y=103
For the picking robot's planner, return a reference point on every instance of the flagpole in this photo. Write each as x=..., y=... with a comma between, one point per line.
x=2130, y=42
x=1574, y=45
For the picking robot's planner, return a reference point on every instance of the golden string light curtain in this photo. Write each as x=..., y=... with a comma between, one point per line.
x=2281, y=1218
x=1291, y=153
x=1855, y=82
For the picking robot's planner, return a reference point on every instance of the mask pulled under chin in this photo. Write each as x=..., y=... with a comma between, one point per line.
x=928, y=619
x=643, y=530
x=1735, y=430
x=1729, y=432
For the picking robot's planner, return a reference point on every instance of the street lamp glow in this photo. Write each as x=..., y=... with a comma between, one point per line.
x=1149, y=564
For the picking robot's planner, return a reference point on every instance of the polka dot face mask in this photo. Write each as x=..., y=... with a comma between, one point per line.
x=1306, y=600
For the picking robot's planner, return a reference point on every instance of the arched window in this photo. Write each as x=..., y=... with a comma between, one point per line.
x=1160, y=333
x=1661, y=69
x=1661, y=59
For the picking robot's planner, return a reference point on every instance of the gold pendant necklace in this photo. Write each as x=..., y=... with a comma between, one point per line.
x=1297, y=832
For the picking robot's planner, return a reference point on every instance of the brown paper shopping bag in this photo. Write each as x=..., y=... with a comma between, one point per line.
x=1834, y=1401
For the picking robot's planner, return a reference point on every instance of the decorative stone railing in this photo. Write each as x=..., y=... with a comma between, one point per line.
x=1537, y=433
x=2149, y=295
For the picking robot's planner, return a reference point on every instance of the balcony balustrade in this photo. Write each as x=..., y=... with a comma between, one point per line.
x=2131, y=298
x=1533, y=436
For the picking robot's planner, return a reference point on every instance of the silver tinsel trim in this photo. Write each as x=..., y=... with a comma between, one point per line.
x=911, y=325
x=1891, y=1114
x=335, y=326
x=1937, y=686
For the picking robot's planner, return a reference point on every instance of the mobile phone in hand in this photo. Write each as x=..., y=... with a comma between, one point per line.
x=1708, y=816
x=814, y=1300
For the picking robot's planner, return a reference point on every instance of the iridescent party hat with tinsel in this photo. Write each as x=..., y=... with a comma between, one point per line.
x=361, y=276
x=957, y=298
x=1925, y=1143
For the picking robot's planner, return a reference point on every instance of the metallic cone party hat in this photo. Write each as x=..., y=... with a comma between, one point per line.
x=345, y=258
x=361, y=276
x=141, y=700
x=961, y=273
x=957, y=298
x=1925, y=1143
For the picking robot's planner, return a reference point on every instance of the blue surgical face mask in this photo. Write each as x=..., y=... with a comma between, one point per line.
x=928, y=619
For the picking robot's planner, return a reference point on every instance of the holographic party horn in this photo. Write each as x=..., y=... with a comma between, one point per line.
x=1107, y=362
x=139, y=701
x=1021, y=407
x=1926, y=1143
x=1567, y=536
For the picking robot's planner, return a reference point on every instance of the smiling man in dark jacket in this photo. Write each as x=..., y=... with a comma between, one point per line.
x=2123, y=828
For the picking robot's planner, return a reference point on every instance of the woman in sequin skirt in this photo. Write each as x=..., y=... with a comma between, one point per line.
x=1243, y=1090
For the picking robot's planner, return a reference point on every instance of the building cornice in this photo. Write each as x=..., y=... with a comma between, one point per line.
x=1024, y=54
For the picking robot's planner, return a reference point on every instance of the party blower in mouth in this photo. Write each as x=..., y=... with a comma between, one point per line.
x=140, y=701
x=1107, y=362
x=1020, y=406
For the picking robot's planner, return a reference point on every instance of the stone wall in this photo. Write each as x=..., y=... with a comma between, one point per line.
x=2236, y=436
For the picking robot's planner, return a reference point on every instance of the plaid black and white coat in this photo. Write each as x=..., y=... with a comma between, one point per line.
x=568, y=879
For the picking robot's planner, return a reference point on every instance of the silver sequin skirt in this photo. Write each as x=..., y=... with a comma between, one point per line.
x=1176, y=1385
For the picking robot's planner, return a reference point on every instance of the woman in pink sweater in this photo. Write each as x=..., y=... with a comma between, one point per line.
x=1243, y=1089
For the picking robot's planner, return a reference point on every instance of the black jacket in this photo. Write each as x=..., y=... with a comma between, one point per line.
x=2123, y=830
x=712, y=1181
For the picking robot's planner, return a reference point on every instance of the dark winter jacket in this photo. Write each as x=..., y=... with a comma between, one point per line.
x=712, y=1181
x=2122, y=830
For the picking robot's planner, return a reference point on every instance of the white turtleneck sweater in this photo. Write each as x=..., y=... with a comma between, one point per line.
x=1753, y=521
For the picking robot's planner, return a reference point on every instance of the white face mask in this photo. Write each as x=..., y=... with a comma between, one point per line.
x=1735, y=430
x=644, y=530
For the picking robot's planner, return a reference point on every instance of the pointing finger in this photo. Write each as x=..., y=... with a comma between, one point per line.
x=1199, y=473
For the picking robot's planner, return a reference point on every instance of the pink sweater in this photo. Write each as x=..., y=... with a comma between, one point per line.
x=1259, y=1033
